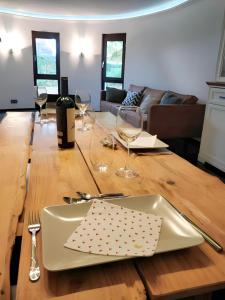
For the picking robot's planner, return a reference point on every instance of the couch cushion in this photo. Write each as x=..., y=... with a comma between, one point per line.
x=115, y=95
x=113, y=108
x=170, y=98
x=131, y=118
x=156, y=94
x=132, y=98
x=109, y=106
x=187, y=99
x=136, y=88
x=147, y=101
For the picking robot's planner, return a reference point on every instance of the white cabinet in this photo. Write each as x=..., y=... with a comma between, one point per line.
x=212, y=148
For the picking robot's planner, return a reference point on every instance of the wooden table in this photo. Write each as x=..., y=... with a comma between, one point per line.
x=15, y=133
x=54, y=174
x=194, y=271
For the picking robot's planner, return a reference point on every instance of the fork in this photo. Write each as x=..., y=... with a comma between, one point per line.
x=34, y=226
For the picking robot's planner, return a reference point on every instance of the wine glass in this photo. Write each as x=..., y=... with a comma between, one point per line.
x=128, y=132
x=41, y=99
x=83, y=103
x=101, y=150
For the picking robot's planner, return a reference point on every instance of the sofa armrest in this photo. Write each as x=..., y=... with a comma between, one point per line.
x=176, y=121
x=102, y=95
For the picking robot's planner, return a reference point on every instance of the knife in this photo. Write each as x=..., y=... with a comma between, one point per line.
x=213, y=243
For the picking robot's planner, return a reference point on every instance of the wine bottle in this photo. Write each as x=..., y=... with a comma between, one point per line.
x=65, y=111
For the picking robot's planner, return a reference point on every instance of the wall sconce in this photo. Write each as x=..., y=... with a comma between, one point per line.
x=83, y=47
x=4, y=50
x=11, y=43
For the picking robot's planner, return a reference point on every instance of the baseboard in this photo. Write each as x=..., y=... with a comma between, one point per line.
x=18, y=109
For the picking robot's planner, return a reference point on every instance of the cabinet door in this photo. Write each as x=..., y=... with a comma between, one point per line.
x=212, y=148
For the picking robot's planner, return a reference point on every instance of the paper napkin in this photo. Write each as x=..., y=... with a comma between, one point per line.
x=110, y=229
x=144, y=141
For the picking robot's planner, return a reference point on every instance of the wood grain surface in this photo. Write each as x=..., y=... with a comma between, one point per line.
x=15, y=129
x=54, y=174
x=195, y=271
x=200, y=196
x=15, y=132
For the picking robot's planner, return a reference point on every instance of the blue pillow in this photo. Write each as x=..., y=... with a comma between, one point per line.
x=170, y=98
x=132, y=98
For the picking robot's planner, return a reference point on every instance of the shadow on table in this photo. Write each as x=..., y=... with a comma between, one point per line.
x=122, y=274
x=175, y=261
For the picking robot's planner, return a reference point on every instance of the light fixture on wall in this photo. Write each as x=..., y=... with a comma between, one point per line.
x=6, y=44
x=3, y=46
x=11, y=43
x=83, y=47
x=14, y=43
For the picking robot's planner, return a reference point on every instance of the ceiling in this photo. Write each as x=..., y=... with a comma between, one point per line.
x=86, y=9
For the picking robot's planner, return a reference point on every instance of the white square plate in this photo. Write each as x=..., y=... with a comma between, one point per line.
x=144, y=134
x=58, y=222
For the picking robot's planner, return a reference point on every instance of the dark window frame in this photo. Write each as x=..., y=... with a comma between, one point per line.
x=112, y=37
x=46, y=35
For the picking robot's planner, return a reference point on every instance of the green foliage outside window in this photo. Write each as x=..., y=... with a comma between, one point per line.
x=114, y=59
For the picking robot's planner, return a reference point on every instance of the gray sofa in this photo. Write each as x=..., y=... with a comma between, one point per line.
x=168, y=121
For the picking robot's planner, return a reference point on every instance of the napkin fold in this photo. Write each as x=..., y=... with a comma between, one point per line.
x=144, y=141
x=110, y=229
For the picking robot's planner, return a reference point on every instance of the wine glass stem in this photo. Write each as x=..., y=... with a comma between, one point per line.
x=82, y=126
x=40, y=113
x=128, y=156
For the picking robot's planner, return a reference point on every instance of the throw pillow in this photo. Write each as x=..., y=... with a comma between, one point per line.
x=170, y=98
x=147, y=101
x=132, y=98
x=136, y=88
x=115, y=95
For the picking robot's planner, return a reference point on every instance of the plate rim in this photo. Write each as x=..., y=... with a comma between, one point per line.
x=119, y=258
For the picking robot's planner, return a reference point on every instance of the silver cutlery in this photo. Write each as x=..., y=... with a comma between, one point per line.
x=153, y=153
x=89, y=197
x=214, y=244
x=34, y=225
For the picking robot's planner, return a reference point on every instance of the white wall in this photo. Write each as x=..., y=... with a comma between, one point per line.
x=175, y=50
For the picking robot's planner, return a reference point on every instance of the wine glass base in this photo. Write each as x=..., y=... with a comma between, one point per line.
x=85, y=128
x=126, y=173
x=38, y=121
x=41, y=121
x=101, y=167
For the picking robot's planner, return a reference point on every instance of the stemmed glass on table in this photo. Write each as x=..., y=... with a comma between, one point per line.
x=128, y=132
x=83, y=103
x=41, y=99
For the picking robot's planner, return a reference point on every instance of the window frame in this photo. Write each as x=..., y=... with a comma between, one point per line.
x=112, y=37
x=46, y=35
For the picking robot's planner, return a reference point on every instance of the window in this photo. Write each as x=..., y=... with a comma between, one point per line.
x=46, y=64
x=113, y=60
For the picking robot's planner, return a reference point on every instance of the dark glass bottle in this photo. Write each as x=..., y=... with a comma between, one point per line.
x=65, y=111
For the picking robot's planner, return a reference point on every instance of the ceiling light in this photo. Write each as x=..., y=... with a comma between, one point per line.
x=147, y=11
